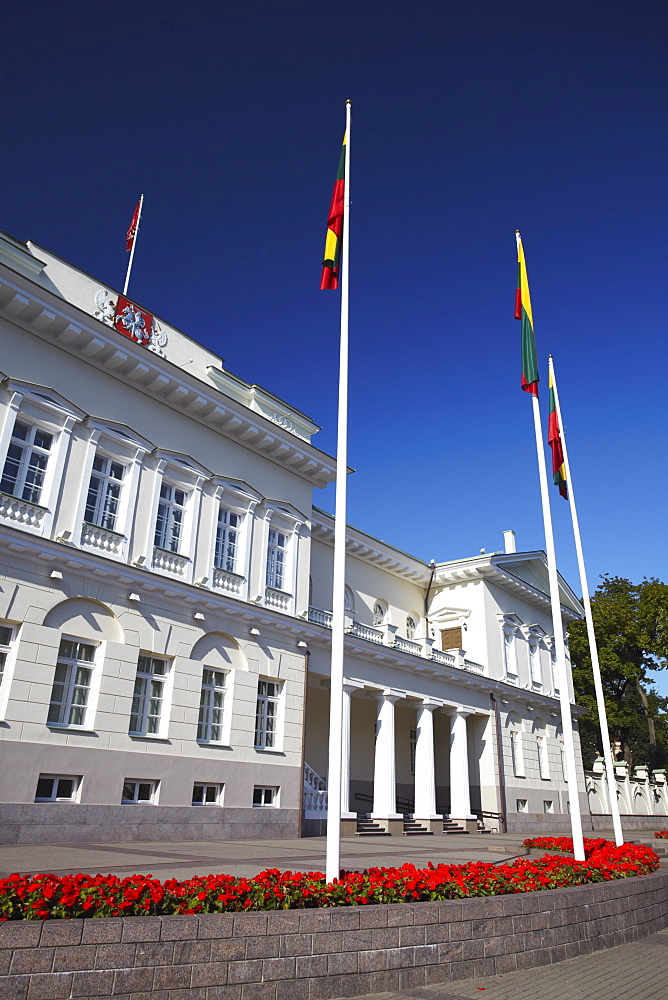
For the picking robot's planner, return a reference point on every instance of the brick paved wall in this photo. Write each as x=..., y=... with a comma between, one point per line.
x=321, y=954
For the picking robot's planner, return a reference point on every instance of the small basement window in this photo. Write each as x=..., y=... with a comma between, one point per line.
x=521, y=805
x=265, y=796
x=57, y=788
x=135, y=791
x=206, y=795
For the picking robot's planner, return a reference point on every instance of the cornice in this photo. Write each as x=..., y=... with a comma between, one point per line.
x=42, y=313
x=371, y=550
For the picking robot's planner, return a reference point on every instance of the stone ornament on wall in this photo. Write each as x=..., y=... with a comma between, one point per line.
x=131, y=320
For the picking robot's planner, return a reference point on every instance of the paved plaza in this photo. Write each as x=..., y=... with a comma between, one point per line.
x=636, y=971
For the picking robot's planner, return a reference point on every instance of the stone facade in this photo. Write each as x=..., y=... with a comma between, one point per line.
x=321, y=954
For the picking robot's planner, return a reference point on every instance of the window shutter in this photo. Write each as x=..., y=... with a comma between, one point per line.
x=451, y=638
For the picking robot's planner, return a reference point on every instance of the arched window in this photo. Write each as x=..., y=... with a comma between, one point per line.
x=379, y=613
x=411, y=627
x=349, y=600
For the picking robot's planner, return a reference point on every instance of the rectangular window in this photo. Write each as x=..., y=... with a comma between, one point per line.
x=211, y=705
x=6, y=635
x=57, y=788
x=510, y=656
x=548, y=806
x=148, y=694
x=25, y=465
x=543, y=762
x=276, y=559
x=227, y=539
x=71, y=685
x=555, y=672
x=412, y=742
x=104, y=492
x=521, y=805
x=517, y=753
x=265, y=796
x=206, y=795
x=266, y=714
x=534, y=665
x=135, y=791
x=171, y=514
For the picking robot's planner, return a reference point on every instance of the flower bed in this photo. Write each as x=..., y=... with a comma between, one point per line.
x=662, y=834
x=44, y=896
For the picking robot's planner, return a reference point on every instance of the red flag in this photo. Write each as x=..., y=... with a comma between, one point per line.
x=134, y=225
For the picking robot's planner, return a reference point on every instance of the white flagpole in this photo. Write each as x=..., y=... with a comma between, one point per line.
x=593, y=648
x=558, y=629
x=134, y=244
x=334, y=767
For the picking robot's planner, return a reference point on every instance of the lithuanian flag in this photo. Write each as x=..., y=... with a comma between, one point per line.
x=523, y=313
x=330, y=264
x=554, y=441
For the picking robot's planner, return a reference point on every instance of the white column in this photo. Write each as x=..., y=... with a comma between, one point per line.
x=349, y=687
x=425, y=775
x=460, y=799
x=384, y=771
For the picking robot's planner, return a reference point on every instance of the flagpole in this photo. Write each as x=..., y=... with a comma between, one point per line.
x=134, y=244
x=591, y=634
x=530, y=384
x=334, y=767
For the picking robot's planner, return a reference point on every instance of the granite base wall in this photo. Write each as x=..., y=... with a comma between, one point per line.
x=62, y=823
x=322, y=954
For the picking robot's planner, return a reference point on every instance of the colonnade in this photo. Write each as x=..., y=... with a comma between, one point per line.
x=384, y=807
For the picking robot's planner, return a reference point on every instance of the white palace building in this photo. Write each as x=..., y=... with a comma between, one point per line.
x=165, y=596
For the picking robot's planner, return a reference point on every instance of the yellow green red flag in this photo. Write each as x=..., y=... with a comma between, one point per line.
x=332, y=256
x=523, y=313
x=554, y=441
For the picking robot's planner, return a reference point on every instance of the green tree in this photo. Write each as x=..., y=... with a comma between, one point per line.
x=631, y=625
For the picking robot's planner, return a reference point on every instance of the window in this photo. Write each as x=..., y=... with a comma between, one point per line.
x=265, y=796
x=564, y=771
x=170, y=519
x=227, y=539
x=548, y=806
x=206, y=795
x=554, y=670
x=451, y=638
x=534, y=664
x=25, y=465
x=6, y=635
x=57, y=788
x=411, y=627
x=517, y=753
x=379, y=613
x=276, y=559
x=521, y=805
x=510, y=656
x=148, y=695
x=135, y=791
x=104, y=492
x=266, y=714
x=71, y=685
x=412, y=742
x=543, y=762
x=211, y=703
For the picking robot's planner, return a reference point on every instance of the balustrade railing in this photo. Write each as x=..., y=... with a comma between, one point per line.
x=231, y=583
x=407, y=646
x=438, y=656
x=315, y=793
x=319, y=617
x=101, y=538
x=365, y=632
x=21, y=511
x=170, y=562
x=277, y=599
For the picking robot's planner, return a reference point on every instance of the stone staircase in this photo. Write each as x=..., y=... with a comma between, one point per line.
x=368, y=828
x=449, y=826
x=414, y=829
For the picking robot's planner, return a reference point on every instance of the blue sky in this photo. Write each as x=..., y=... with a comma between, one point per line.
x=469, y=121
